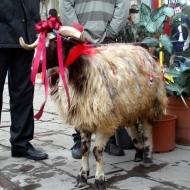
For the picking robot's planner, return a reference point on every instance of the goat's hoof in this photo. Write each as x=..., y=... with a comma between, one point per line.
x=81, y=181
x=147, y=162
x=100, y=184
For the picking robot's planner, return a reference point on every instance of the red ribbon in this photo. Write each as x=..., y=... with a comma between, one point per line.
x=60, y=60
x=43, y=28
x=77, y=51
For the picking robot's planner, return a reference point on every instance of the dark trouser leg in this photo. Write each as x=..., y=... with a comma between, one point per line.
x=76, y=137
x=76, y=149
x=112, y=148
x=3, y=73
x=21, y=92
x=112, y=140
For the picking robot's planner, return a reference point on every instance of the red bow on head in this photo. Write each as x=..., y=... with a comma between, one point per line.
x=47, y=26
x=43, y=28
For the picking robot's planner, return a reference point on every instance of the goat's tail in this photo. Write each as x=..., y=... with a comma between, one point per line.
x=159, y=107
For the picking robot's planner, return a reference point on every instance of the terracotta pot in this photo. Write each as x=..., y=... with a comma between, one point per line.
x=178, y=108
x=163, y=134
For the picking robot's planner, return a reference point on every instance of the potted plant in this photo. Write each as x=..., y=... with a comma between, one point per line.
x=177, y=78
x=163, y=133
x=149, y=29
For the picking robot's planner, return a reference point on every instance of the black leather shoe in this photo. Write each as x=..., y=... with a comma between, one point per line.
x=31, y=154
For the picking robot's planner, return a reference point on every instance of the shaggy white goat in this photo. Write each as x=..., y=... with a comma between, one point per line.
x=116, y=86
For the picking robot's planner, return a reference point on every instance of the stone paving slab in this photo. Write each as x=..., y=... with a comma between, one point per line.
x=170, y=171
x=178, y=157
x=34, y=175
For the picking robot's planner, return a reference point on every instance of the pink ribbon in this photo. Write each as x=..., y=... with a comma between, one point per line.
x=43, y=28
x=60, y=60
x=77, y=51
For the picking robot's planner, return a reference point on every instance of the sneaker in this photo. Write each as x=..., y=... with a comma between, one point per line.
x=76, y=151
x=113, y=149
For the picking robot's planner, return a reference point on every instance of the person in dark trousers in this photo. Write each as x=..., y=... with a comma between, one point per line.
x=102, y=21
x=180, y=33
x=18, y=18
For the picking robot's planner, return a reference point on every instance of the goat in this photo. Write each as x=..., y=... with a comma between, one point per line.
x=116, y=86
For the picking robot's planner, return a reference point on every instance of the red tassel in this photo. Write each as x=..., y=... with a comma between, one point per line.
x=40, y=112
x=77, y=51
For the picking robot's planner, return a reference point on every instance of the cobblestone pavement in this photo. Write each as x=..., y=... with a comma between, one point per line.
x=170, y=171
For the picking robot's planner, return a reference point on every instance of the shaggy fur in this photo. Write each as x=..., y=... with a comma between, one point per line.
x=114, y=87
x=111, y=89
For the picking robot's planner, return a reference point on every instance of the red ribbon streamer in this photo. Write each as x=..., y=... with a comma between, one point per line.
x=60, y=60
x=43, y=28
x=77, y=51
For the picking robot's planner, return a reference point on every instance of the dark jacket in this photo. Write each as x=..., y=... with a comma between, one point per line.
x=18, y=18
x=175, y=33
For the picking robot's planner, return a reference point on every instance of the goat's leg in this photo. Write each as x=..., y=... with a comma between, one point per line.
x=98, y=154
x=137, y=141
x=147, y=138
x=85, y=169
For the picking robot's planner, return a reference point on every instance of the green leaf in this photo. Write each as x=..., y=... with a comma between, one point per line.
x=187, y=62
x=177, y=23
x=150, y=26
x=166, y=42
x=139, y=24
x=173, y=72
x=179, y=92
x=185, y=69
x=168, y=11
x=159, y=22
x=157, y=13
x=145, y=18
x=177, y=16
x=174, y=87
x=145, y=9
x=151, y=42
x=184, y=76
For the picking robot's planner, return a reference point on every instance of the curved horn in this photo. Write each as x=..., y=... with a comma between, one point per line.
x=28, y=46
x=69, y=31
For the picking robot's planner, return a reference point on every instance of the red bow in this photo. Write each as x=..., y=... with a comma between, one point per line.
x=43, y=28
x=47, y=26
